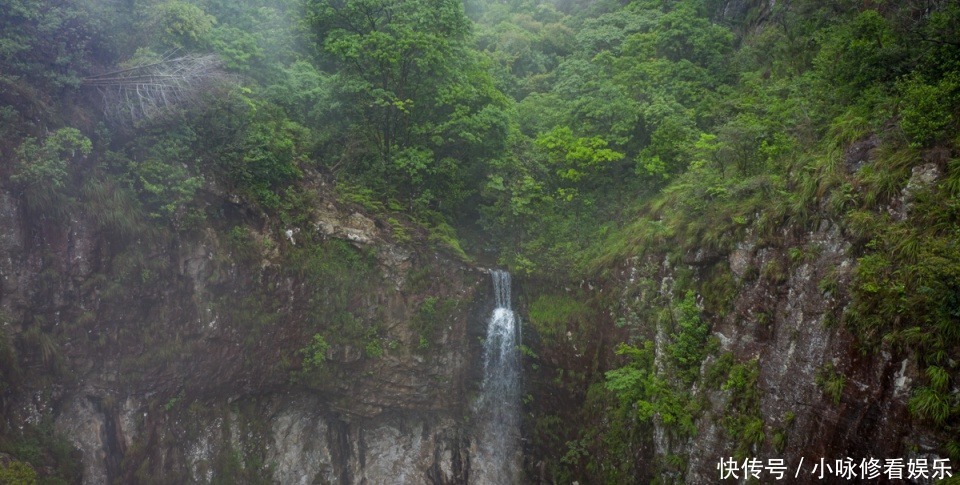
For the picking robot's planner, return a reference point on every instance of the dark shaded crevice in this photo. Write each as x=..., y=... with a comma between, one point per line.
x=338, y=438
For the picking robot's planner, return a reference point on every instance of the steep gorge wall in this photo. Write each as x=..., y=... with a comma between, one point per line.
x=182, y=359
x=783, y=377
x=788, y=331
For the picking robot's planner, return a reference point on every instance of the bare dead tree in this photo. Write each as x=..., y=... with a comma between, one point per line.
x=154, y=89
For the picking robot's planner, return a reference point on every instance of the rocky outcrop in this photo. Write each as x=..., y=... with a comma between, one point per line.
x=180, y=359
x=279, y=438
x=784, y=319
x=805, y=386
x=790, y=329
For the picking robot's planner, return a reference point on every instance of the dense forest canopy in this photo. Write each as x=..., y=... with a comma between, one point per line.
x=543, y=121
x=555, y=138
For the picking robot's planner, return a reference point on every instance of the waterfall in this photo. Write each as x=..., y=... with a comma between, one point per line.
x=497, y=457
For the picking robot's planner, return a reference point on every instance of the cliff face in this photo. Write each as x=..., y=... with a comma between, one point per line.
x=185, y=359
x=782, y=377
x=326, y=353
x=788, y=331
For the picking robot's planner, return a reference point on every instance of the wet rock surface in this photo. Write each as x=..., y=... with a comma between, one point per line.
x=789, y=325
x=813, y=389
x=168, y=382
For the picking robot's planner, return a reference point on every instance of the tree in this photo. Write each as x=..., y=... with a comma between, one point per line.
x=394, y=52
x=180, y=25
x=44, y=45
x=414, y=92
x=860, y=54
x=576, y=158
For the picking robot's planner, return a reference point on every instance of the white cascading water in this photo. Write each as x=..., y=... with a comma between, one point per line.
x=497, y=458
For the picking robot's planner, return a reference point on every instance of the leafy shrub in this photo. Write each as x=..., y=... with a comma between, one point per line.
x=446, y=236
x=373, y=347
x=716, y=374
x=236, y=47
x=17, y=473
x=39, y=447
x=360, y=195
x=166, y=185
x=743, y=419
x=638, y=387
x=41, y=168
x=931, y=404
x=927, y=109
x=689, y=341
x=400, y=233
x=268, y=159
x=315, y=354
x=45, y=45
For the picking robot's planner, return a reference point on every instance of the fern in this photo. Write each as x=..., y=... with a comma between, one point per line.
x=938, y=377
x=928, y=403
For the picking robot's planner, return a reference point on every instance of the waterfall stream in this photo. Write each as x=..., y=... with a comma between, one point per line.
x=497, y=459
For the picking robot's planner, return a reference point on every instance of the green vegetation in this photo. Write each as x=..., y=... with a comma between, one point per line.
x=689, y=341
x=829, y=284
x=39, y=447
x=315, y=354
x=232, y=466
x=564, y=131
x=336, y=276
x=425, y=109
x=433, y=315
x=569, y=139
x=926, y=107
x=42, y=168
x=45, y=47
x=743, y=420
x=767, y=155
x=17, y=473
x=551, y=314
x=831, y=381
x=638, y=387
x=934, y=401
